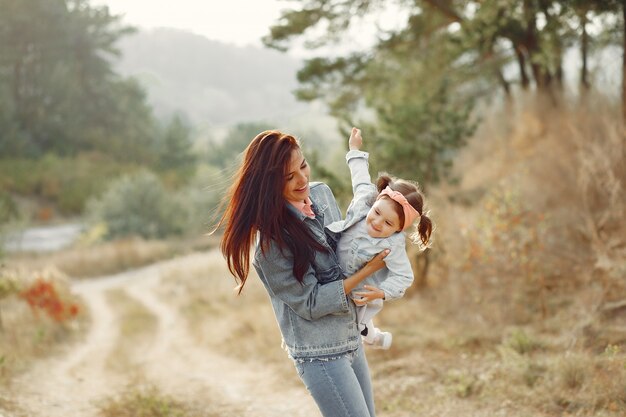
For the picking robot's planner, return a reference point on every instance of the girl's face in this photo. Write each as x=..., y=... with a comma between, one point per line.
x=297, y=178
x=382, y=220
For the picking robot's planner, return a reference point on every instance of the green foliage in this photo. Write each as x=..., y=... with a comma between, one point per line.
x=138, y=205
x=58, y=90
x=336, y=15
x=8, y=285
x=418, y=86
x=422, y=79
x=202, y=197
x=340, y=187
x=8, y=208
x=520, y=342
x=416, y=136
x=463, y=384
x=533, y=34
x=68, y=182
x=175, y=152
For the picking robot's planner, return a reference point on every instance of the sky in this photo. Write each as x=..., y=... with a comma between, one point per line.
x=242, y=22
x=239, y=22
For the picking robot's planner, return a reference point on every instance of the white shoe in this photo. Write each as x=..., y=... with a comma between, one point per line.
x=382, y=340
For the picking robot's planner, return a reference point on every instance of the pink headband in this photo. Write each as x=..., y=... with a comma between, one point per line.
x=410, y=214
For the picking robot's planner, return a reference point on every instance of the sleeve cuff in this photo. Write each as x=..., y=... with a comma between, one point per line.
x=356, y=154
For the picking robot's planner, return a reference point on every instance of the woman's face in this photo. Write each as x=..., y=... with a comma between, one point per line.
x=297, y=178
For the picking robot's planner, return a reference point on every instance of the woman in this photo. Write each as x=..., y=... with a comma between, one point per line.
x=272, y=201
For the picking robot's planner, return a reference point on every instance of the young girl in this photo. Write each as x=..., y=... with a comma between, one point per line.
x=376, y=220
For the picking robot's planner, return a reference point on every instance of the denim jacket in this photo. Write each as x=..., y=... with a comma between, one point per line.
x=397, y=276
x=315, y=317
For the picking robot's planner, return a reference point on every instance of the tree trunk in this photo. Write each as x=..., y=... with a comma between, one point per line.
x=584, y=51
x=521, y=62
x=624, y=69
x=17, y=84
x=421, y=263
x=530, y=44
x=497, y=71
x=506, y=86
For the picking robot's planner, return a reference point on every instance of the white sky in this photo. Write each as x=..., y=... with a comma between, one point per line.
x=240, y=22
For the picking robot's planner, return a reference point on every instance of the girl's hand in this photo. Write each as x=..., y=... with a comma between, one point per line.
x=364, y=297
x=356, y=141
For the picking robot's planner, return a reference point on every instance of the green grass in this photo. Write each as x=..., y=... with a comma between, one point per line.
x=148, y=402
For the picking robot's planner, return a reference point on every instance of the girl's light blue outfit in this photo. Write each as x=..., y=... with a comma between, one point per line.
x=354, y=246
x=317, y=319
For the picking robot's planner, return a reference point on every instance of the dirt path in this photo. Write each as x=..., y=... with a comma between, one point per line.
x=73, y=383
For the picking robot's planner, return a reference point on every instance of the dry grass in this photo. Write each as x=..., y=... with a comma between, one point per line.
x=110, y=257
x=148, y=401
x=531, y=291
x=240, y=326
x=26, y=334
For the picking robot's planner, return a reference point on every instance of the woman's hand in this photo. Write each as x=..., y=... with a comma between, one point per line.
x=363, y=297
x=356, y=141
x=376, y=263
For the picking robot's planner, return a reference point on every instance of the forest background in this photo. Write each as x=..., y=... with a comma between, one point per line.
x=510, y=114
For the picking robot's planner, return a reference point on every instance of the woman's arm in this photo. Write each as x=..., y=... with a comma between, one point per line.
x=309, y=299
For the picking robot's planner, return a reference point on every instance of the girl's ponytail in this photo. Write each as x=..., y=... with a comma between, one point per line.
x=383, y=181
x=423, y=231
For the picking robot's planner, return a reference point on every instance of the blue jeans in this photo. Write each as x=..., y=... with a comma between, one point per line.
x=341, y=386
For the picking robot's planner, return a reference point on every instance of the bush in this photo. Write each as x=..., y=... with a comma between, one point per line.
x=67, y=182
x=138, y=205
x=202, y=197
x=8, y=208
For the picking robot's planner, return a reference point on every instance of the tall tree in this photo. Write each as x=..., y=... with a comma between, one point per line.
x=61, y=93
x=424, y=67
x=175, y=149
x=533, y=33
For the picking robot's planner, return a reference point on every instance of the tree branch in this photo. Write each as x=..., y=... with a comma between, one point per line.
x=445, y=9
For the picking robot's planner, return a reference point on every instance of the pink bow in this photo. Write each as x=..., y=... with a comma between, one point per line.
x=410, y=214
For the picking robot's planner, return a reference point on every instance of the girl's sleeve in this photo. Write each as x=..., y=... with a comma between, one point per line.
x=400, y=274
x=359, y=172
x=309, y=299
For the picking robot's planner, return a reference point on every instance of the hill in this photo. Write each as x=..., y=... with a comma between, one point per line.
x=210, y=82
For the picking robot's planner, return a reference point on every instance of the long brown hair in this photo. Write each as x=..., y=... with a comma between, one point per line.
x=412, y=193
x=255, y=203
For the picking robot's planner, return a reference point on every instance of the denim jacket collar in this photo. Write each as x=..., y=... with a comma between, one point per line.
x=318, y=209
